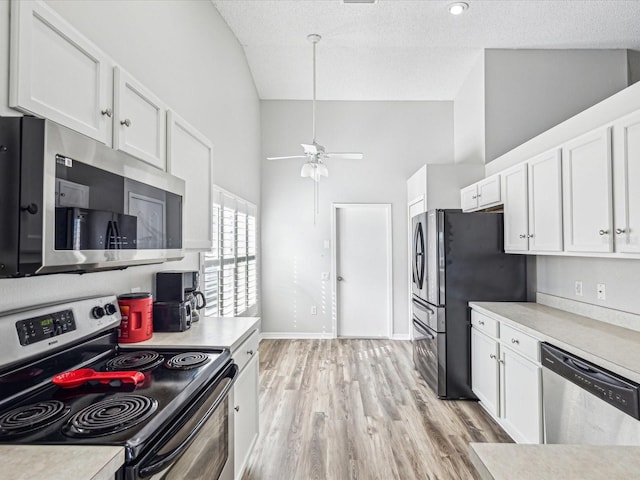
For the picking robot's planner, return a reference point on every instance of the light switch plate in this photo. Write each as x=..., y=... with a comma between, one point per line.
x=578, y=288
x=602, y=293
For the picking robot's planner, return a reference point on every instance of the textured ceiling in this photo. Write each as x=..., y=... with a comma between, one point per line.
x=408, y=49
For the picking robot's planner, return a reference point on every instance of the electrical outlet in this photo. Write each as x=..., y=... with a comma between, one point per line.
x=602, y=293
x=314, y=310
x=579, y=288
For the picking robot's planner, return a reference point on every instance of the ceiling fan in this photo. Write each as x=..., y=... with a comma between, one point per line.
x=314, y=153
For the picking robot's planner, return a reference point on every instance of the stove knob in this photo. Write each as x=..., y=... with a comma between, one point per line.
x=110, y=309
x=97, y=312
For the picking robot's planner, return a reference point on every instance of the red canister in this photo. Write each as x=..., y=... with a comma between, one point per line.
x=137, y=317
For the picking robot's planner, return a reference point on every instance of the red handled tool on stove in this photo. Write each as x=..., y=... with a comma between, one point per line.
x=75, y=378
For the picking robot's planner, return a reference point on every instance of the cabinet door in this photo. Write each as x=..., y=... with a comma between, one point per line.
x=586, y=192
x=245, y=415
x=190, y=157
x=469, y=198
x=521, y=406
x=545, y=202
x=516, y=211
x=626, y=183
x=140, y=120
x=56, y=73
x=484, y=370
x=489, y=191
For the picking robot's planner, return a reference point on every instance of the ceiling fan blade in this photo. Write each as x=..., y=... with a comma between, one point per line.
x=286, y=158
x=347, y=156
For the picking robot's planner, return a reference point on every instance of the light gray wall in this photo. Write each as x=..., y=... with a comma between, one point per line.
x=468, y=117
x=396, y=139
x=184, y=52
x=557, y=276
x=530, y=91
x=633, y=61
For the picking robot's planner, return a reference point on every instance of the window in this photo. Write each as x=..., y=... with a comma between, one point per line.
x=229, y=270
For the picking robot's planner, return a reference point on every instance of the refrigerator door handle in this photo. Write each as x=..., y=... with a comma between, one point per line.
x=423, y=307
x=423, y=330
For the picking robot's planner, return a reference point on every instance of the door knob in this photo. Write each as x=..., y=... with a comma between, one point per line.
x=126, y=122
x=340, y=278
x=620, y=231
x=604, y=232
x=107, y=112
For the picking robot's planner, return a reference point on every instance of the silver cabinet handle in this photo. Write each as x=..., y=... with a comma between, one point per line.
x=236, y=408
x=126, y=122
x=339, y=278
x=480, y=322
x=604, y=232
x=523, y=236
x=500, y=361
x=530, y=235
x=620, y=231
x=249, y=352
x=107, y=112
x=474, y=197
x=492, y=356
x=515, y=340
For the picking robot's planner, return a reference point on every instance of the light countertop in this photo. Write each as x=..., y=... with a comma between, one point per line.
x=507, y=461
x=614, y=348
x=55, y=462
x=223, y=332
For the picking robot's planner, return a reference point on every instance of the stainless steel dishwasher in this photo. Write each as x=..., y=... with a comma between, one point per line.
x=586, y=404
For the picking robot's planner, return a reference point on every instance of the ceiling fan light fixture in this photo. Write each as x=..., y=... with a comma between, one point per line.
x=322, y=170
x=307, y=170
x=457, y=8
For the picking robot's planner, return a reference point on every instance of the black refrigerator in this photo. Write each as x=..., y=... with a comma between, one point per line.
x=457, y=258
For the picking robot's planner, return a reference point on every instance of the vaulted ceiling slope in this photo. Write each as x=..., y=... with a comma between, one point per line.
x=408, y=49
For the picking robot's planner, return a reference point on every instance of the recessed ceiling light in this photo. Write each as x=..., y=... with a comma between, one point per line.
x=457, y=8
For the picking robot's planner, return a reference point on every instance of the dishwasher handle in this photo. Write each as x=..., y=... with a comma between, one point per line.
x=613, y=389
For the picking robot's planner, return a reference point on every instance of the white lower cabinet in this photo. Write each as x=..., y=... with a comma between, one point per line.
x=245, y=408
x=484, y=370
x=521, y=389
x=508, y=381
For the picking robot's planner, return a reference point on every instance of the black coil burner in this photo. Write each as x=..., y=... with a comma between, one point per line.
x=32, y=417
x=141, y=360
x=110, y=416
x=187, y=360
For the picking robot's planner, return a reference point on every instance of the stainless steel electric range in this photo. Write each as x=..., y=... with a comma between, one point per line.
x=172, y=418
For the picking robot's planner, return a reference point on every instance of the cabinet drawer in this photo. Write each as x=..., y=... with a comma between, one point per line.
x=485, y=324
x=248, y=349
x=520, y=342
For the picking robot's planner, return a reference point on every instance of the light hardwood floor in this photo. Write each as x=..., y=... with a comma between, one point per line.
x=357, y=409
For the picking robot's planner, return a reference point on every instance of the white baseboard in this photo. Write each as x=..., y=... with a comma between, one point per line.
x=296, y=335
x=401, y=336
x=314, y=336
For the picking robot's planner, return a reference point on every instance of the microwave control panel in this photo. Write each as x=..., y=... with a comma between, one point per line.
x=44, y=327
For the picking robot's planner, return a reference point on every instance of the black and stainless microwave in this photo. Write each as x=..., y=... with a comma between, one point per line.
x=71, y=204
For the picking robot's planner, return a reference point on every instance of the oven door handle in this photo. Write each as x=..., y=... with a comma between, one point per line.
x=168, y=458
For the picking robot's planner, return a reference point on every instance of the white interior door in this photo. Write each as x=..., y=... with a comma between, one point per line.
x=363, y=270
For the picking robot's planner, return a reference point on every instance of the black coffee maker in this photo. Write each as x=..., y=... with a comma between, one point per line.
x=177, y=300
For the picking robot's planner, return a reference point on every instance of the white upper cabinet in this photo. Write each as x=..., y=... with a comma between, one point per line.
x=57, y=74
x=469, y=198
x=140, y=120
x=483, y=194
x=516, y=209
x=190, y=157
x=586, y=186
x=545, y=202
x=626, y=183
x=489, y=192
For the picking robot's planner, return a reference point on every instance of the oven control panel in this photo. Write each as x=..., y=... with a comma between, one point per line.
x=33, y=331
x=44, y=327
